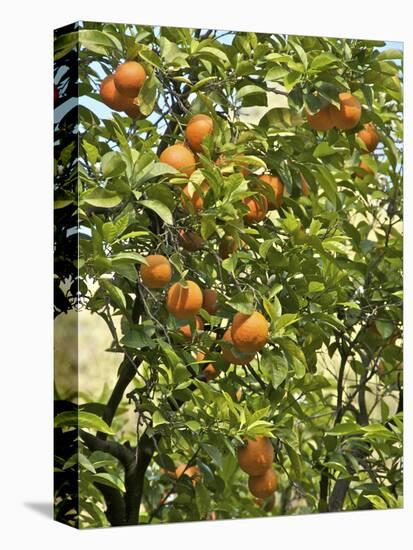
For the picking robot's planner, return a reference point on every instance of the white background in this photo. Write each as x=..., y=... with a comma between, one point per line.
x=26, y=268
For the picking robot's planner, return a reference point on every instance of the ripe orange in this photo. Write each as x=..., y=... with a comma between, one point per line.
x=277, y=186
x=322, y=120
x=158, y=272
x=192, y=472
x=189, y=240
x=210, y=372
x=210, y=300
x=197, y=129
x=183, y=302
x=364, y=166
x=111, y=97
x=305, y=188
x=348, y=116
x=258, y=208
x=179, y=157
x=256, y=456
x=129, y=78
x=369, y=136
x=186, y=329
x=228, y=355
x=249, y=332
x=264, y=485
x=227, y=246
x=266, y=504
x=196, y=199
x=133, y=111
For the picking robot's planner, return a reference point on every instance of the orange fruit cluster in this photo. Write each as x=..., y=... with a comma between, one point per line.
x=184, y=300
x=119, y=91
x=255, y=458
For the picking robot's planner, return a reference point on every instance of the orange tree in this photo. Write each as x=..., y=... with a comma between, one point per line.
x=239, y=213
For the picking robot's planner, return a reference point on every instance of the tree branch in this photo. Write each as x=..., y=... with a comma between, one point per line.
x=119, y=451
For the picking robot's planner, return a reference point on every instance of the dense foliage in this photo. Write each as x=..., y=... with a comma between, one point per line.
x=324, y=268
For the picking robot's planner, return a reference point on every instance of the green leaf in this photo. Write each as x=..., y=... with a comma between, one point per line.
x=111, y=230
x=301, y=54
x=202, y=499
x=162, y=193
x=386, y=328
x=315, y=286
x=129, y=257
x=148, y=94
x=275, y=366
x=208, y=226
x=101, y=197
x=112, y=164
x=276, y=73
x=323, y=149
x=150, y=56
x=96, y=41
x=322, y=60
x=390, y=53
x=345, y=429
x=215, y=52
x=92, y=152
x=328, y=184
x=170, y=52
x=294, y=459
x=116, y=295
x=378, y=502
x=85, y=462
x=272, y=308
x=286, y=320
x=295, y=355
x=158, y=419
x=161, y=209
x=242, y=302
x=110, y=480
x=153, y=170
x=82, y=419
x=214, y=453
x=138, y=338
x=249, y=90
x=202, y=83
x=64, y=44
